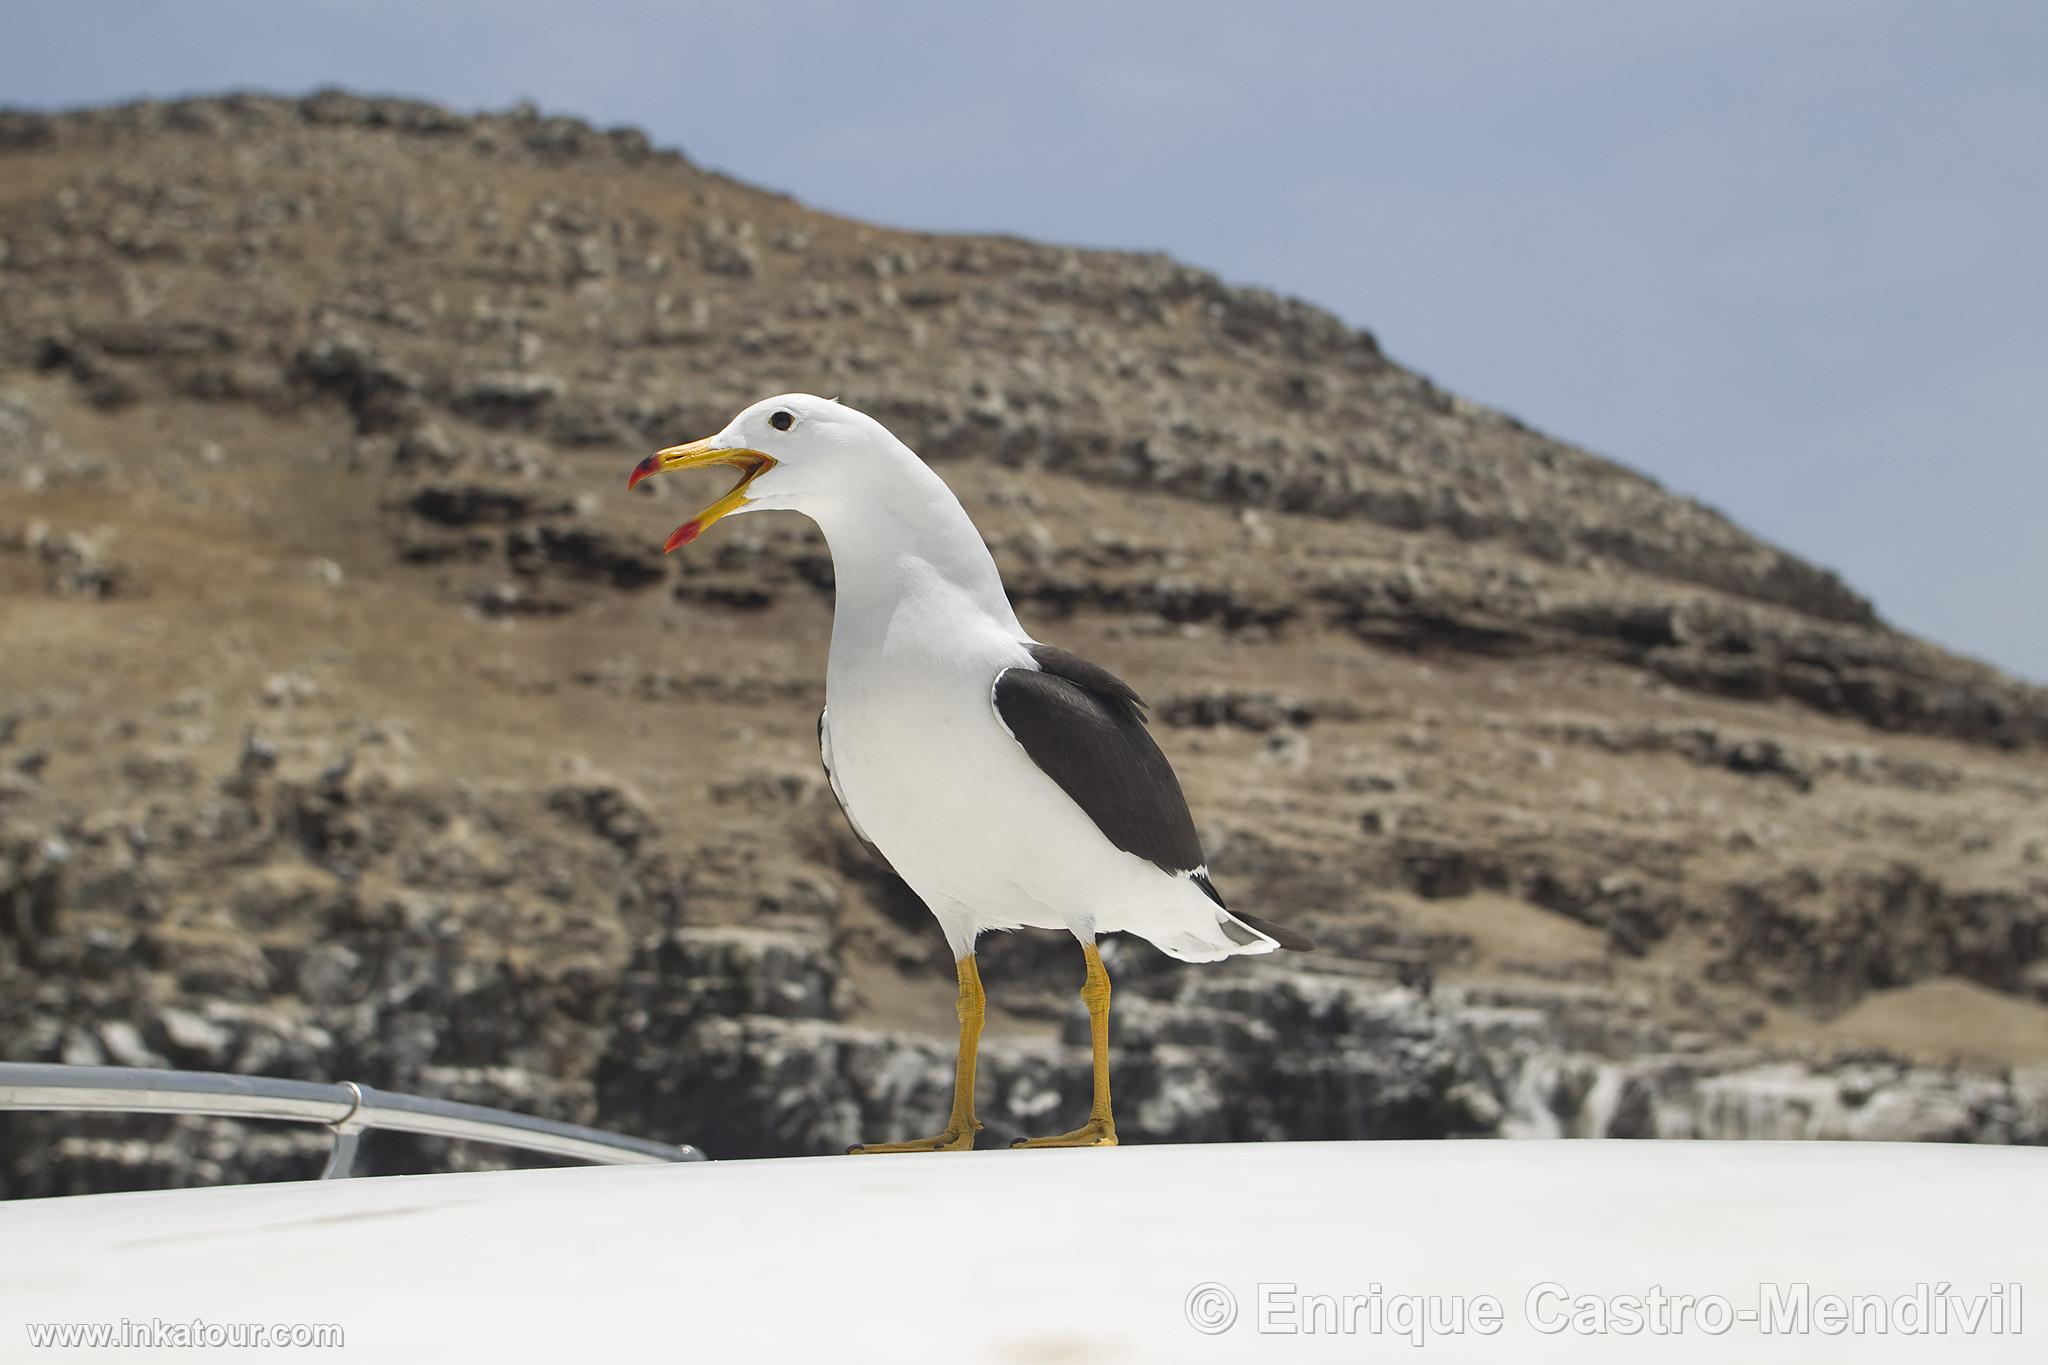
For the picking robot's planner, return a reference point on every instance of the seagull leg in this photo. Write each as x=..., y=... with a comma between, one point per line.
x=1100, y=1130
x=961, y=1127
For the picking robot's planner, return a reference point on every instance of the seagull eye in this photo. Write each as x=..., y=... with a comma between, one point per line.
x=781, y=421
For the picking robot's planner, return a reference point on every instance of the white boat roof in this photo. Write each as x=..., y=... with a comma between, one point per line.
x=1063, y=1256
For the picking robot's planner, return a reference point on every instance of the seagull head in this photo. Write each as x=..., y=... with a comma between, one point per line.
x=794, y=452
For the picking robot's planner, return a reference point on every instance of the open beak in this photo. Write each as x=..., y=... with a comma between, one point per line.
x=697, y=455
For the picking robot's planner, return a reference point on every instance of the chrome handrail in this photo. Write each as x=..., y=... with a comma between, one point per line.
x=345, y=1108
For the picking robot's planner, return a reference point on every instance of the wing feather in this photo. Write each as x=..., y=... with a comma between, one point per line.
x=1085, y=729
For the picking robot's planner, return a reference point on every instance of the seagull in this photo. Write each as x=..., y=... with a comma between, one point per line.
x=1008, y=782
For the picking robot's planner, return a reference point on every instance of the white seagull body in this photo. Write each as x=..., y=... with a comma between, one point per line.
x=1010, y=784
x=920, y=757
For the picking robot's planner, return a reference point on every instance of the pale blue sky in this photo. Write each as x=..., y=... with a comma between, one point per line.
x=1786, y=257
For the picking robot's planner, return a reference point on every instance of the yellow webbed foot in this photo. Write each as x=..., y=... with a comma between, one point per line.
x=961, y=1126
x=1100, y=1130
x=952, y=1140
x=1094, y=1133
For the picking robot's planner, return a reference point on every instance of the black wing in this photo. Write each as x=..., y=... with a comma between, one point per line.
x=1085, y=729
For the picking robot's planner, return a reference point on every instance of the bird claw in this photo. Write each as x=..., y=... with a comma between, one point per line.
x=952, y=1140
x=1094, y=1133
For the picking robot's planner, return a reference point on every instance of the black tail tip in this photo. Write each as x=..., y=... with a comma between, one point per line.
x=1280, y=934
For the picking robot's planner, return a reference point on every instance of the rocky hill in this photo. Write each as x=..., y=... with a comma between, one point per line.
x=353, y=726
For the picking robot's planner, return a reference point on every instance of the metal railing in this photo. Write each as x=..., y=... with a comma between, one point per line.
x=346, y=1109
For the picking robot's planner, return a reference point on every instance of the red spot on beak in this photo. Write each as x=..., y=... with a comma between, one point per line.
x=683, y=535
x=650, y=465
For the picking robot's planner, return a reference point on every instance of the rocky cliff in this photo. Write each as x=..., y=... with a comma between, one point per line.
x=352, y=725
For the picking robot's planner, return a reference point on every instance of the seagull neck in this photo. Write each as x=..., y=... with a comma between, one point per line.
x=906, y=540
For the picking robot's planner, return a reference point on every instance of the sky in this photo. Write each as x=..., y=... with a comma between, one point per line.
x=1786, y=257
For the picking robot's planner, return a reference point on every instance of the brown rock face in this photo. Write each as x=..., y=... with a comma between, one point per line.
x=353, y=726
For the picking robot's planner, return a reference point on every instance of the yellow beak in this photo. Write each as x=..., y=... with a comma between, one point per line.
x=697, y=455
